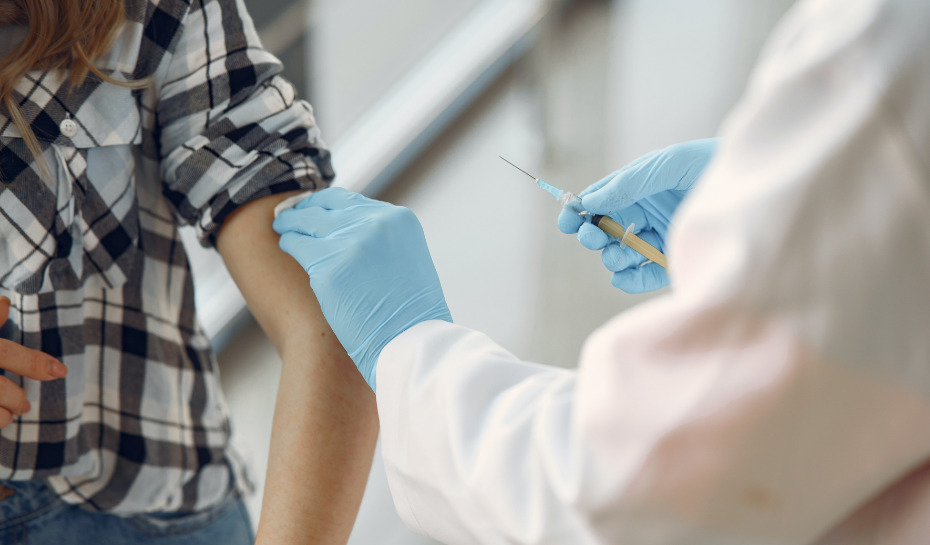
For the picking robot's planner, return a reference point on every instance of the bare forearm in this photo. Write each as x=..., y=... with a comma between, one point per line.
x=324, y=433
x=325, y=421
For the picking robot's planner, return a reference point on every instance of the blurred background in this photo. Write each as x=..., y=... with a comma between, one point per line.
x=418, y=98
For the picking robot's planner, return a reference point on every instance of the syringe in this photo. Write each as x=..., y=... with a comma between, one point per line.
x=609, y=226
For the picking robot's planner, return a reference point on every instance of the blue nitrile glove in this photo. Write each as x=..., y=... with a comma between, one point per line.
x=369, y=267
x=645, y=193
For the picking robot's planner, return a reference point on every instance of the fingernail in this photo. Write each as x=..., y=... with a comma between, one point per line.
x=57, y=369
x=25, y=408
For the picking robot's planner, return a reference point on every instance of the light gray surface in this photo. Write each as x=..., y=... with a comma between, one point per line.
x=361, y=48
x=603, y=86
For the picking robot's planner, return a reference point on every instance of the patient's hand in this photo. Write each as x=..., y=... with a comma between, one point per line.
x=26, y=362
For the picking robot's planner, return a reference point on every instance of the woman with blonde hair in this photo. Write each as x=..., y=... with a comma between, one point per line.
x=120, y=120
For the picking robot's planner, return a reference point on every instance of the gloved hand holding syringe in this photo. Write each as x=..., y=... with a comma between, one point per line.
x=625, y=235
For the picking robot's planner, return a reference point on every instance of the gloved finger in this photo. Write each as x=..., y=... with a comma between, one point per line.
x=623, y=190
x=640, y=279
x=592, y=237
x=617, y=258
x=658, y=206
x=648, y=175
x=313, y=222
x=676, y=167
x=321, y=223
x=306, y=250
x=570, y=221
x=333, y=198
x=688, y=160
x=324, y=222
x=570, y=218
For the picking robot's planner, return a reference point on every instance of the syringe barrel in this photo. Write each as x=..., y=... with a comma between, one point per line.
x=608, y=225
x=639, y=245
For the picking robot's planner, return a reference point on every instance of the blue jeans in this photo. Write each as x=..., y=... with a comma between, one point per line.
x=33, y=515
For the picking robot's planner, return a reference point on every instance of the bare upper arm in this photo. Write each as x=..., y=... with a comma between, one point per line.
x=275, y=286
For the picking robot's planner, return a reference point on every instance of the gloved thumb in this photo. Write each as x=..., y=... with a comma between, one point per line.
x=623, y=187
x=676, y=167
x=619, y=192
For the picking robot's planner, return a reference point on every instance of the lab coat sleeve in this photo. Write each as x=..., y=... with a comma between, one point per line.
x=779, y=388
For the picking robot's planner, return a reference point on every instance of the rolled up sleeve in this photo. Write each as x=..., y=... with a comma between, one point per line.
x=231, y=129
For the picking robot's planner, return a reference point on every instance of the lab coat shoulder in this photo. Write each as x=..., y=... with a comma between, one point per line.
x=816, y=210
x=880, y=46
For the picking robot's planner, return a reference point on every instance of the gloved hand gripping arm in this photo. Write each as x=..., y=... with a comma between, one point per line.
x=369, y=267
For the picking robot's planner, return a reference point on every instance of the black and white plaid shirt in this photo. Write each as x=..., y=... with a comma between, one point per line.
x=94, y=266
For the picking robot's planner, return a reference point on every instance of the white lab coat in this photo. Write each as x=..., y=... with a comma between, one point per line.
x=780, y=393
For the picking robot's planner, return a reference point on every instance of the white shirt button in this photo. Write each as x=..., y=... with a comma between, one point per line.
x=68, y=128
